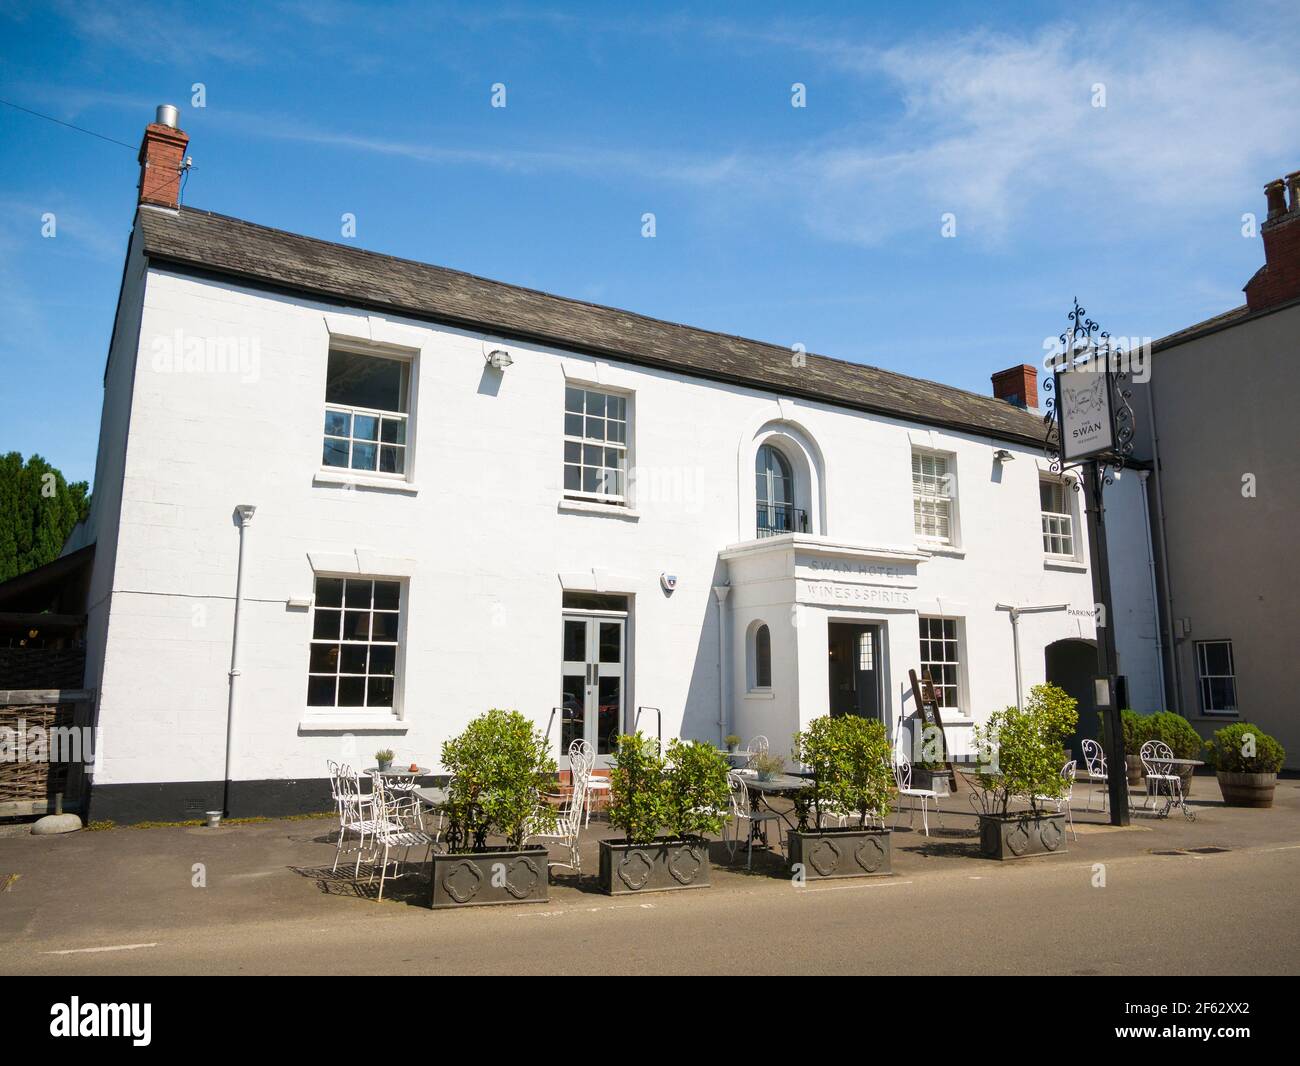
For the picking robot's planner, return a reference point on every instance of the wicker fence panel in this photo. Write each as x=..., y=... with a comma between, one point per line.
x=32, y=779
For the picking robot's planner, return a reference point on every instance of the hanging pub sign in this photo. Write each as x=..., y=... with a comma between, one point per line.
x=1086, y=418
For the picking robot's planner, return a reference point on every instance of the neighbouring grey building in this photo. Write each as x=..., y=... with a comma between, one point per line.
x=1215, y=423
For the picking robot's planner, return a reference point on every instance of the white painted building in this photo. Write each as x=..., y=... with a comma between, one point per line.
x=435, y=535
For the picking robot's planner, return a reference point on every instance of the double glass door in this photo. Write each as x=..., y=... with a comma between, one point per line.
x=594, y=654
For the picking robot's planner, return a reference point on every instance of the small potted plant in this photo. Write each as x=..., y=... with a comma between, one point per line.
x=686, y=793
x=499, y=767
x=732, y=741
x=384, y=757
x=850, y=761
x=1022, y=754
x=767, y=765
x=1246, y=761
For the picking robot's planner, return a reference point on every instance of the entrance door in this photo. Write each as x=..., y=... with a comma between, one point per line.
x=593, y=675
x=854, y=669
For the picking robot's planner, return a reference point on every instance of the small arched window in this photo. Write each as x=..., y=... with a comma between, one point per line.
x=762, y=657
x=774, y=494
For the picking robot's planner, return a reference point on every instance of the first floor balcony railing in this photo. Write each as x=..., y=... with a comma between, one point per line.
x=773, y=519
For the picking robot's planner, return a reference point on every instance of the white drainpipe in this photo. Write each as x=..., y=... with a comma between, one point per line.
x=1015, y=613
x=721, y=592
x=244, y=516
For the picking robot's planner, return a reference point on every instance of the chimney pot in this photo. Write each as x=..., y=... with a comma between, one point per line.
x=1293, y=185
x=162, y=159
x=1276, y=193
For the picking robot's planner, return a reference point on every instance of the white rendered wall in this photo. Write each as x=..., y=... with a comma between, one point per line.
x=486, y=549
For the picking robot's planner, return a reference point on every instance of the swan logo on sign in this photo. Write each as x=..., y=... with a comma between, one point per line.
x=1084, y=399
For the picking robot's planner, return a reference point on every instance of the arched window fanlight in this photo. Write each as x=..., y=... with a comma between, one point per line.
x=774, y=495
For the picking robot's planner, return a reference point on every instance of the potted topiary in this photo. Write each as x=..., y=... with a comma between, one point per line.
x=687, y=794
x=1022, y=754
x=1176, y=731
x=849, y=760
x=384, y=757
x=1246, y=761
x=499, y=767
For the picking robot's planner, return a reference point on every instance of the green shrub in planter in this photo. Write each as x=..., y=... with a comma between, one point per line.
x=499, y=765
x=1246, y=761
x=1022, y=752
x=1174, y=730
x=698, y=797
x=851, y=765
x=638, y=798
x=1242, y=748
x=686, y=793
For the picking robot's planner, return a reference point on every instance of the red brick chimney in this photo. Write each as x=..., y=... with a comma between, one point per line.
x=1018, y=385
x=1278, y=280
x=162, y=159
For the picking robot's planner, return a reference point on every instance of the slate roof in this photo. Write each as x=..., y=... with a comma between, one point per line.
x=207, y=242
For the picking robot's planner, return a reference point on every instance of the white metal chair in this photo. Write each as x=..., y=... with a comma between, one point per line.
x=394, y=831
x=1158, y=765
x=583, y=757
x=903, y=781
x=357, y=814
x=567, y=821
x=1094, y=760
x=757, y=820
x=1062, y=802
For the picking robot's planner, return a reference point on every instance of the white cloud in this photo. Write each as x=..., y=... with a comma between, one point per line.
x=996, y=127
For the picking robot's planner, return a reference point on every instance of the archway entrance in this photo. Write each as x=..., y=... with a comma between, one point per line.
x=1071, y=665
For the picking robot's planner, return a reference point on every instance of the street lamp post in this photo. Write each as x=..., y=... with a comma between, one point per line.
x=1090, y=426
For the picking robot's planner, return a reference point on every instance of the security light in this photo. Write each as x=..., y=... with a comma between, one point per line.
x=1003, y=456
x=499, y=359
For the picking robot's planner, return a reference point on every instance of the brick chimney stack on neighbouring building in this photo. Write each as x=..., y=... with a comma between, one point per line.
x=162, y=159
x=1278, y=280
x=1018, y=385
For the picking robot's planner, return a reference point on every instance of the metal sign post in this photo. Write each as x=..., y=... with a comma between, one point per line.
x=1090, y=426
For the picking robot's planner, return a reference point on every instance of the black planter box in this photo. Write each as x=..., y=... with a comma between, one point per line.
x=664, y=864
x=483, y=878
x=1019, y=835
x=841, y=852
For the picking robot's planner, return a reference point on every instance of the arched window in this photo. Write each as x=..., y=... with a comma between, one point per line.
x=774, y=495
x=762, y=652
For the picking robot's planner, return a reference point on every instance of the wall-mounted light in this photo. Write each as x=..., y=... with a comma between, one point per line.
x=1002, y=456
x=498, y=359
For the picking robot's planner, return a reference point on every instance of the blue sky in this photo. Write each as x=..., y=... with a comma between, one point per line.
x=818, y=225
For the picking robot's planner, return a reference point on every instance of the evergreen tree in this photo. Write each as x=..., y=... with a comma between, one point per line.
x=38, y=509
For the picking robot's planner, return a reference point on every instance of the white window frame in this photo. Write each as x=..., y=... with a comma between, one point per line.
x=582, y=443
x=1051, y=521
x=379, y=713
x=404, y=418
x=920, y=498
x=1202, y=677
x=959, y=664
